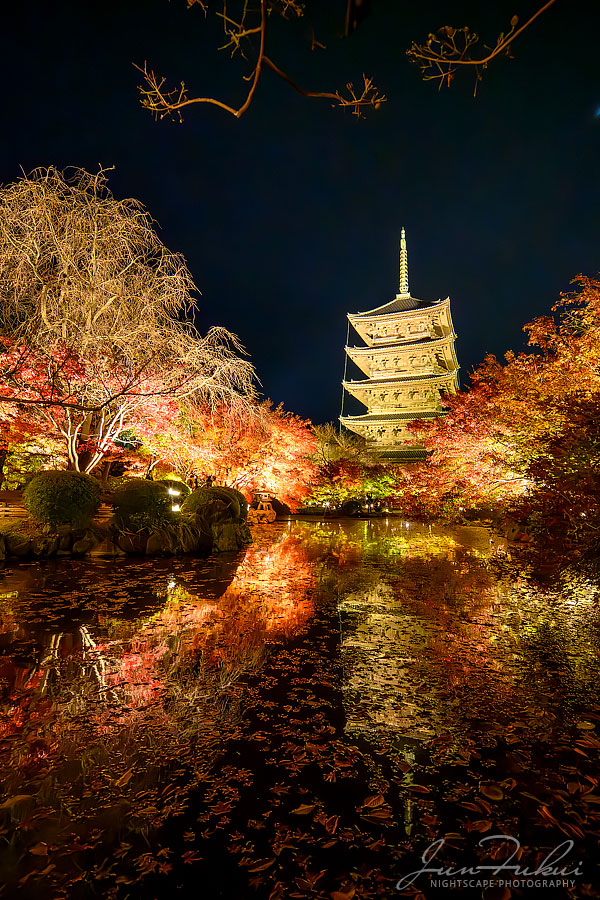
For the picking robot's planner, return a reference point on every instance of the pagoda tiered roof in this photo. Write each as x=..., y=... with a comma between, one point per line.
x=403, y=416
x=387, y=349
x=450, y=377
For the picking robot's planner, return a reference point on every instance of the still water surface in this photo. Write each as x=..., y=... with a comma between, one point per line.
x=296, y=720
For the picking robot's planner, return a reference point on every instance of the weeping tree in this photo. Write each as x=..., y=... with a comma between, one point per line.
x=96, y=319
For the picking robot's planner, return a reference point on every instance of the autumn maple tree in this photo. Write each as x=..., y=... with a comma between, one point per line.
x=524, y=437
x=264, y=449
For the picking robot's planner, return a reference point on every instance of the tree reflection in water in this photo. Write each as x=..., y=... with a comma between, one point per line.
x=99, y=715
x=261, y=686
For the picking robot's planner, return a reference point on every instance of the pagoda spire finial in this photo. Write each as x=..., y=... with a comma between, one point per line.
x=403, y=265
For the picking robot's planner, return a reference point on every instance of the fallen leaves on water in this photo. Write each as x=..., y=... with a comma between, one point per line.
x=491, y=791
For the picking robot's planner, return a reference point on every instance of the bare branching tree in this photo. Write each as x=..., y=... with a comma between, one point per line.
x=334, y=444
x=246, y=30
x=95, y=316
x=448, y=50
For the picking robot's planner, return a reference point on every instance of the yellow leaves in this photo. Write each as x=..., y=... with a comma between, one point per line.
x=304, y=809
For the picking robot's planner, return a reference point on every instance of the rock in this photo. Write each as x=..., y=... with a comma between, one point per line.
x=106, y=549
x=230, y=536
x=192, y=537
x=132, y=543
x=17, y=545
x=23, y=548
x=64, y=543
x=84, y=544
x=44, y=546
x=160, y=543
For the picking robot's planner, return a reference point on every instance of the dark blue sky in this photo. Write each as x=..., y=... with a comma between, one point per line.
x=291, y=216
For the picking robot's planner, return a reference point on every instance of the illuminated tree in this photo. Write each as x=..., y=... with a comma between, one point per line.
x=525, y=435
x=264, y=449
x=95, y=316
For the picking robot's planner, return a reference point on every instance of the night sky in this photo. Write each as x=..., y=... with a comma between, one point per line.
x=291, y=216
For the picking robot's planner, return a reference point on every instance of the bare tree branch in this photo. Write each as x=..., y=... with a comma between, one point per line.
x=164, y=101
x=450, y=47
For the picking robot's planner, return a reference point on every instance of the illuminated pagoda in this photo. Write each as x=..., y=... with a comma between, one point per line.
x=409, y=362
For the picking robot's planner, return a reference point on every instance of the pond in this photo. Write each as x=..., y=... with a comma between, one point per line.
x=312, y=717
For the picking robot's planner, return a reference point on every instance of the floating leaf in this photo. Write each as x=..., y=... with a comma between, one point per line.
x=124, y=779
x=491, y=791
x=375, y=800
x=331, y=824
x=260, y=866
x=304, y=809
x=480, y=825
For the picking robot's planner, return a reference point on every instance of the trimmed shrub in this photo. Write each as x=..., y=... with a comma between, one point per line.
x=143, y=505
x=203, y=496
x=62, y=498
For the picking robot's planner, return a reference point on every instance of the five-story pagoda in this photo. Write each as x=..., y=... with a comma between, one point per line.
x=409, y=361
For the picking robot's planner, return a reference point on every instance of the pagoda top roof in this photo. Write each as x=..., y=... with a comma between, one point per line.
x=400, y=303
